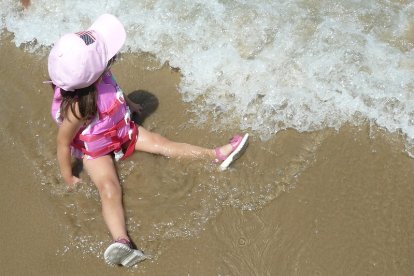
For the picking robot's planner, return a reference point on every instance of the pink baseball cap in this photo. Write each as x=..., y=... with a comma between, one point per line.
x=77, y=60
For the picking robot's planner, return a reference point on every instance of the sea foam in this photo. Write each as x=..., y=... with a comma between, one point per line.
x=261, y=66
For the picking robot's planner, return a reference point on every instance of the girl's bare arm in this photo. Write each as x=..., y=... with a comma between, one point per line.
x=67, y=131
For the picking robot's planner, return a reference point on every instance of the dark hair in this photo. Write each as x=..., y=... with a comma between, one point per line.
x=86, y=99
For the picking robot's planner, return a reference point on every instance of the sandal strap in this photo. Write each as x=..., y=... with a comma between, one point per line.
x=219, y=155
x=124, y=241
x=234, y=142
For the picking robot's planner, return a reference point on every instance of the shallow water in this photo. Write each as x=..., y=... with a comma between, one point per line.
x=320, y=202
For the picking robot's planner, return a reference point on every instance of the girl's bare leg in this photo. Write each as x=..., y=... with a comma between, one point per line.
x=155, y=143
x=103, y=174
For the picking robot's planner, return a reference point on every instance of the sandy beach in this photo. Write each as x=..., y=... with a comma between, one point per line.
x=319, y=203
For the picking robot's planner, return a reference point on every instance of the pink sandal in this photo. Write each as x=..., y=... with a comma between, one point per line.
x=238, y=144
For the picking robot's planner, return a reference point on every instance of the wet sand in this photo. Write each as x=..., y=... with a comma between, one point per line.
x=322, y=203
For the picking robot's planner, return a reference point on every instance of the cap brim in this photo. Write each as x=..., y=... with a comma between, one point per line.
x=112, y=32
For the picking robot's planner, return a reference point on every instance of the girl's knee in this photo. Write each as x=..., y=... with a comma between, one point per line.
x=109, y=189
x=159, y=140
x=151, y=142
x=162, y=145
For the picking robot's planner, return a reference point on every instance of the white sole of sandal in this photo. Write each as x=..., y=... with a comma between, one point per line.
x=122, y=254
x=236, y=153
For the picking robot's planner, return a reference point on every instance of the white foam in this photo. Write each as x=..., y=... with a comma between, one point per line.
x=266, y=65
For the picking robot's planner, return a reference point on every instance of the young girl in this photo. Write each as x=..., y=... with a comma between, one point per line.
x=94, y=124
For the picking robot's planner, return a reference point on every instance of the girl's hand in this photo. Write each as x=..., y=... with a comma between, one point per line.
x=72, y=182
x=136, y=108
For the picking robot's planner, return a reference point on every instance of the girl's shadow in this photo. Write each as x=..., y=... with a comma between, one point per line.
x=149, y=103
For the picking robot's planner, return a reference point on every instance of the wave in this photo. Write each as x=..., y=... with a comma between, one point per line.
x=266, y=65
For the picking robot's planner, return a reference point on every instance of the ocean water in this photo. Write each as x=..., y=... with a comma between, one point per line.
x=264, y=65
